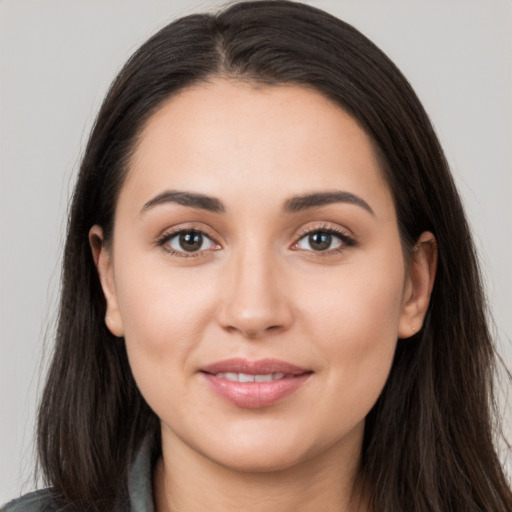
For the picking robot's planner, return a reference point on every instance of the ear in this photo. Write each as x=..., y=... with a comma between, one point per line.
x=419, y=281
x=103, y=260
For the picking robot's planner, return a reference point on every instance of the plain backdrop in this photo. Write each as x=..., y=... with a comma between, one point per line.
x=57, y=58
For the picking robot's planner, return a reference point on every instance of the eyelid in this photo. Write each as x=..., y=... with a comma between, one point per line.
x=168, y=234
x=343, y=234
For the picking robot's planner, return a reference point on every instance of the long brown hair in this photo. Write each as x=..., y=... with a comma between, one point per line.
x=428, y=442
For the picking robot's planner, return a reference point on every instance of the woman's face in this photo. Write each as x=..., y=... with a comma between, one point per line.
x=257, y=276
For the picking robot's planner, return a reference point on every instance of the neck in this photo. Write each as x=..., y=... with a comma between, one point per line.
x=185, y=480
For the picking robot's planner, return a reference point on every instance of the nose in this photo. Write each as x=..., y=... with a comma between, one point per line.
x=255, y=299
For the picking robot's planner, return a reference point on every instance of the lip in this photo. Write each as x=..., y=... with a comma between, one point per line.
x=253, y=395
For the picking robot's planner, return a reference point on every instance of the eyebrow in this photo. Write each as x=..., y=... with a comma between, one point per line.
x=306, y=201
x=293, y=205
x=190, y=199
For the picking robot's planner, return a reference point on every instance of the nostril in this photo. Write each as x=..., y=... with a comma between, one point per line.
x=253, y=313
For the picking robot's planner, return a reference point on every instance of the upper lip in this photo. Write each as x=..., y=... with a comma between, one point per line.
x=260, y=367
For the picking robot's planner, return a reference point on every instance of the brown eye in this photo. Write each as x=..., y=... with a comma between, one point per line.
x=188, y=242
x=320, y=241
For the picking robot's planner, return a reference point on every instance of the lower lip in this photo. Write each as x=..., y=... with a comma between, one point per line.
x=253, y=395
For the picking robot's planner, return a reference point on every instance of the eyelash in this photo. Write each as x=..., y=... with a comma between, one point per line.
x=164, y=240
x=345, y=241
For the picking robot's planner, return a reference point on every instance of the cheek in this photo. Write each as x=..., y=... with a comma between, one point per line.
x=164, y=313
x=354, y=319
x=158, y=302
x=359, y=302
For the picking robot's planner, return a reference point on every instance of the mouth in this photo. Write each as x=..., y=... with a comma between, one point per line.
x=254, y=384
x=247, y=377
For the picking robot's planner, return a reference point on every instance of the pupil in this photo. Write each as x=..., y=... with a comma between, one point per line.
x=320, y=241
x=191, y=241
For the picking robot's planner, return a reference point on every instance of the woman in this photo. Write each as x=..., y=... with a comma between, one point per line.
x=270, y=295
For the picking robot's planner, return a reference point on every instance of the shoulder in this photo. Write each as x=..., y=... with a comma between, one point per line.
x=38, y=501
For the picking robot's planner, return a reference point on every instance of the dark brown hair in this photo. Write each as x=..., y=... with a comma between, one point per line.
x=428, y=442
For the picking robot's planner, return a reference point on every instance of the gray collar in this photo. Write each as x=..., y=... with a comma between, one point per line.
x=140, y=480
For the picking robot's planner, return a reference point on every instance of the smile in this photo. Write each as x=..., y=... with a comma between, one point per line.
x=246, y=377
x=254, y=384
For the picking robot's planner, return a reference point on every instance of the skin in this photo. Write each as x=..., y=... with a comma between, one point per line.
x=259, y=290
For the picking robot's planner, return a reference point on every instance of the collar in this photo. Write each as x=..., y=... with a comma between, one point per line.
x=140, y=480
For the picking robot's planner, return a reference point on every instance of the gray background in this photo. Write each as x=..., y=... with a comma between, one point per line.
x=56, y=61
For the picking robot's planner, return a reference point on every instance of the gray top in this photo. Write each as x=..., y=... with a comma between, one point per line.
x=139, y=489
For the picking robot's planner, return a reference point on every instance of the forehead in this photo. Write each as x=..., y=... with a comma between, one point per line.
x=225, y=137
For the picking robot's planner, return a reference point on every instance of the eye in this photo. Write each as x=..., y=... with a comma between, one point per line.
x=188, y=242
x=323, y=240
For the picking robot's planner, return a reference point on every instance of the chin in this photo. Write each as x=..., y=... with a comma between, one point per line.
x=260, y=460
x=266, y=454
